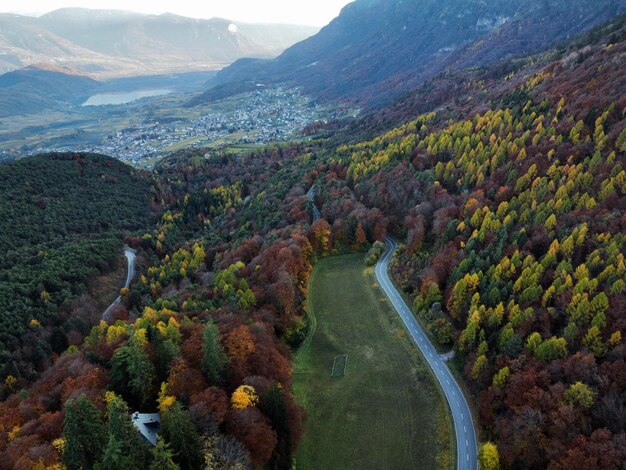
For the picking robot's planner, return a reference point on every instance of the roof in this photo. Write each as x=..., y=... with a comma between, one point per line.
x=148, y=425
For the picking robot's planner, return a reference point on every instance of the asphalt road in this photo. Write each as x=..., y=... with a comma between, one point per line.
x=311, y=197
x=130, y=257
x=466, y=444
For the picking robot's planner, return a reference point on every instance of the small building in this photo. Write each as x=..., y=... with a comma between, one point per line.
x=148, y=425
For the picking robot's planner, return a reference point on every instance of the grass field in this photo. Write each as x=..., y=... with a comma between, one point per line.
x=385, y=412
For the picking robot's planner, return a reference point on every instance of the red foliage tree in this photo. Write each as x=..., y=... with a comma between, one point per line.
x=253, y=429
x=184, y=381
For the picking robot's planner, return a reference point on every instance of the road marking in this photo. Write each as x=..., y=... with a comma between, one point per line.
x=423, y=343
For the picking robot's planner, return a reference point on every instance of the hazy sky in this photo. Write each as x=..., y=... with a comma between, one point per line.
x=311, y=12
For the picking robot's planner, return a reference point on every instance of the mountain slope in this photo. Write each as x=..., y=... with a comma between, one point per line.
x=509, y=197
x=39, y=87
x=63, y=226
x=24, y=42
x=375, y=45
x=513, y=214
x=98, y=41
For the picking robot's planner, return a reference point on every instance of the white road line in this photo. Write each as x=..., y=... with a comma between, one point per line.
x=436, y=365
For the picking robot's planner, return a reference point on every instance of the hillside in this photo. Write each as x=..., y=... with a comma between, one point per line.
x=506, y=188
x=114, y=43
x=377, y=48
x=512, y=220
x=23, y=42
x=40, y=87
x=62, y=220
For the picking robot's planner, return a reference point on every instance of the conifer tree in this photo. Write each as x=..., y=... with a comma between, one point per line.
x=85, y=434
x=162, y=457
x=125, y=449
x=180, y=432
x=214, y=358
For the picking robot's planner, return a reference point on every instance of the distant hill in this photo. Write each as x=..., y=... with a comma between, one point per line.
x=39, y=87
x=24, y=42
x=377, y=47
x=112, y=42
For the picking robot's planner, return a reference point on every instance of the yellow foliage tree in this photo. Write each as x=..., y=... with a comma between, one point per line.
x=13, y=433
x=115, y=332
x=488, y=457
x=10, y=382
x=244, y=397
x=165, y=401
x=109, y=397
x=59, y=445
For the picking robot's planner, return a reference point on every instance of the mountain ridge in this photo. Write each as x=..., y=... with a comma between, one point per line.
x=116, y=42
x=382, y=46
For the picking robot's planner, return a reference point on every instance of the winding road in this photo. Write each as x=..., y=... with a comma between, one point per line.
x=466, y=444
x=130, y=257
x=310, y=195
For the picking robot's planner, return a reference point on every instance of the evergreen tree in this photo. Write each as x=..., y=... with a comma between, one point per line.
x=179, y=431
x=85, y=434
x=164, y=351
x=162, y=457
x=275, y=408
x=133, y=374
x=214, y=358
x=125, y=449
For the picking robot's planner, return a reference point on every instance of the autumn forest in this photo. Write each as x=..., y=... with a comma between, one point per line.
x=505, y=187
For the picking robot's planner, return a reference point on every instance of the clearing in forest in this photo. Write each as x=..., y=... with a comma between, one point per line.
x=385, y=412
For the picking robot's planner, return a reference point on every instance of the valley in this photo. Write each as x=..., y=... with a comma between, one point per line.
x=399, y=243
x=146, y=128
x=108, y=99
x=385, y=381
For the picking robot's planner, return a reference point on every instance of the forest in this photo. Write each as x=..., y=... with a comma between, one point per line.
x=508, y=202
x=513, y=223
x=62, y=217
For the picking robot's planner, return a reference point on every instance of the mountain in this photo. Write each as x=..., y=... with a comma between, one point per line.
x=39, y=87
x=378, y=47
x=112, y=42
x=23, y=42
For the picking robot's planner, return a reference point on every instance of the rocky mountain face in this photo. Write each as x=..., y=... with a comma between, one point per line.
x=377, y=48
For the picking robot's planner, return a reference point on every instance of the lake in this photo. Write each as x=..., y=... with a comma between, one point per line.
x=122, y=98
